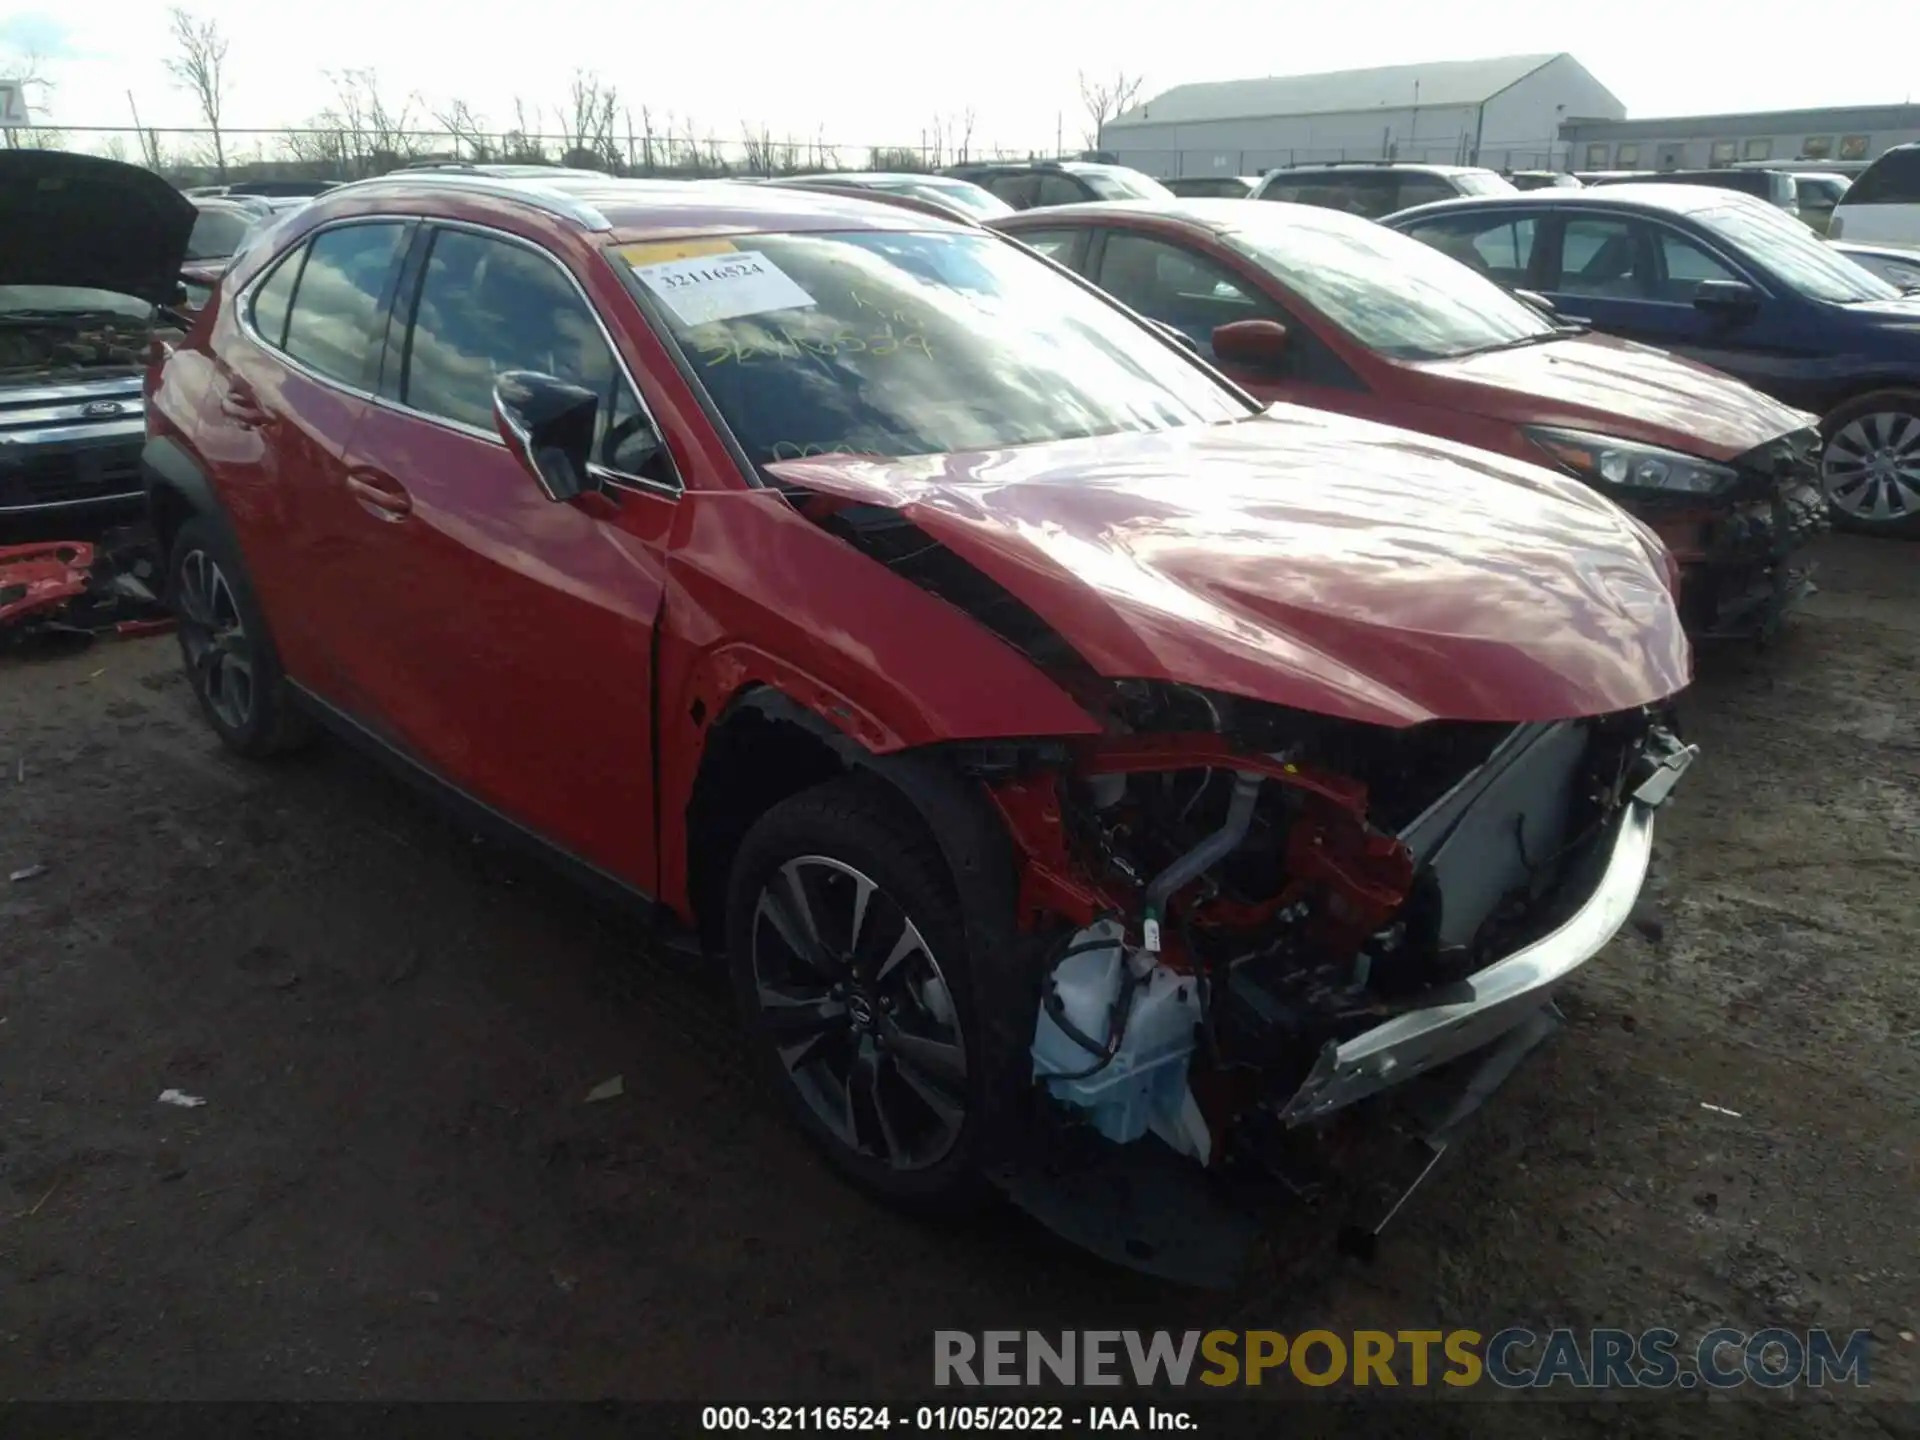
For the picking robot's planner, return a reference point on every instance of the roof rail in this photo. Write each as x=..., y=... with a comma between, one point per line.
x=895, y=198
x=530, y=192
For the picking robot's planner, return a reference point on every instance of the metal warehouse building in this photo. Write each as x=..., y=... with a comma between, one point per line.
x=1698, y=142
x=1506, y=112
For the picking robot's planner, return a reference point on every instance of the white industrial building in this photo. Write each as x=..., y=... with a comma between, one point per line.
x=1505, y=112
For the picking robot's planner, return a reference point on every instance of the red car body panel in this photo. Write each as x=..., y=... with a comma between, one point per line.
x=1299, y=558
x=552, y=660
x=1591, y=382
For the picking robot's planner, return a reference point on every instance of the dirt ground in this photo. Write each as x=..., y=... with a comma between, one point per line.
x=396, y=1189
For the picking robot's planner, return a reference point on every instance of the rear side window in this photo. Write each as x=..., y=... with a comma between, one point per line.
x=1893, y=179
x=1018, y=189
x=1499, y=247
x=269, y=312
x=1419, y=189
x=1370, y=195
x=333, y=326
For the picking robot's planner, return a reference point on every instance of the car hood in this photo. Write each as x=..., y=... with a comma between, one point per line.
x=96, y=224
x=1615, y=387
x=1309, y=560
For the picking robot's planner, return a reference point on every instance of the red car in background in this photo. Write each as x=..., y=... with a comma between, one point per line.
x=1010, y=699
x=1334, y=311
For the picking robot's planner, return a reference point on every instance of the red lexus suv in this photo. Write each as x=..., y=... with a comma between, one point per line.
x=1082, y=768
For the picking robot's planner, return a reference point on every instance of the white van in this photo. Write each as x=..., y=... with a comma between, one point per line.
x=1883, y=205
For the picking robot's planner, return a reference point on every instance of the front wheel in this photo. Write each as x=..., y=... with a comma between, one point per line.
x=1871, y=463
x=849, y=963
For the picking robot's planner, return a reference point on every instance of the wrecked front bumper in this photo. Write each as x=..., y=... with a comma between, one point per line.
x=1377, y=1108
x=1478, y=1010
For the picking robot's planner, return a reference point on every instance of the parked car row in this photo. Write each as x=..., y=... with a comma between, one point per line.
x=1097, y=780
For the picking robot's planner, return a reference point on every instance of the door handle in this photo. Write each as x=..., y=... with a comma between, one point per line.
x=379, y=493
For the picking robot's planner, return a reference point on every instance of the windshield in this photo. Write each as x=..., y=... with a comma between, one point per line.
x=218, y=233
x=1800, y=258
x=896, y=343
x=72, y=300
x=1483, y=182
x=1395, y=295
x=1124, y=184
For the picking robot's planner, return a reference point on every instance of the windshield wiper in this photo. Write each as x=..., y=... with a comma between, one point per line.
x=1559, y=332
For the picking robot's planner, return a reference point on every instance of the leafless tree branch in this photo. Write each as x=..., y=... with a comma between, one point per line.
x=1106, y=99
x=199, y=68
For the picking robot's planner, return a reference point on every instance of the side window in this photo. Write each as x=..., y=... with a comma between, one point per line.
x=1602, y=258
x=1893, y=179
x=1018, y=188
x=1060, y=190
x=333, y=326
x=1417, y=189
x=1686, y=265
x=270, y=300
x=487, y=306
x=1502, y=250
x=1059, y=245
x=1179, y=286
x=1373, y=195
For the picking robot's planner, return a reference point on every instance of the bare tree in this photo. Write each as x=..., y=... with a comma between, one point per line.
x=963, y=147
x=377, y=137
x=1105, y=99
x=150, y=155
x=468, y=130
x=199, y=68
x=588, y=141
x=522, y=144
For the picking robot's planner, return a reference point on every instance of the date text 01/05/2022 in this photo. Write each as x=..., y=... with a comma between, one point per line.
x=937, y=1419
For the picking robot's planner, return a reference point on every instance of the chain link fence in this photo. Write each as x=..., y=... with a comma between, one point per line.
x=1170, y=164
x=191, y=157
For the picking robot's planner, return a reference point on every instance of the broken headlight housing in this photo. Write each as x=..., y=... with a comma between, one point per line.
x=1628, y=465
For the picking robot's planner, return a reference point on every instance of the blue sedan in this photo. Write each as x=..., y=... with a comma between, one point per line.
x=1732, y=282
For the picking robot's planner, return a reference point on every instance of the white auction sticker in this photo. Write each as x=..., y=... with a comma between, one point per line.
x=701, y=289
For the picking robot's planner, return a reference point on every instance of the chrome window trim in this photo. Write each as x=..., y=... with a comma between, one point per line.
x=243, y=317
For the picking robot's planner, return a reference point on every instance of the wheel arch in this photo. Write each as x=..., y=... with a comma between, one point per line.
x=791, y=749
x=177, y=489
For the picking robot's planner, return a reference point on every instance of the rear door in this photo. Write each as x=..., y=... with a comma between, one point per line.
x=507, y=638
x=289, y=388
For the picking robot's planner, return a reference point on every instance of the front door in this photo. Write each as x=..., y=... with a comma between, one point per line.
x=514, y=633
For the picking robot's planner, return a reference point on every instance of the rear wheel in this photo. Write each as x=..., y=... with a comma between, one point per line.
x=229, y=656
x=1871, y=463
x=850, y=966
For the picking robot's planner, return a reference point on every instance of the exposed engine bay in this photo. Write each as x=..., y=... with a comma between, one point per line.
x=1234, y=891
x=35, y=351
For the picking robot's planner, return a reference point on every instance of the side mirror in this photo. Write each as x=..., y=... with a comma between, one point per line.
x=1726, y=299
x=1175, y=334
x=548, y=425
x=1255, y=344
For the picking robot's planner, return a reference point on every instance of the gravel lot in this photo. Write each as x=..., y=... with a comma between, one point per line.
x=396, y=1189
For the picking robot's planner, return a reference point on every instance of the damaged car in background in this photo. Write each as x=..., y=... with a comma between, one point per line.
x=1100, y=787
x=89, y=255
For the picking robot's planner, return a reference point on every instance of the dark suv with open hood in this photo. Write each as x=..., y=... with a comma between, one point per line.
x=90, y=251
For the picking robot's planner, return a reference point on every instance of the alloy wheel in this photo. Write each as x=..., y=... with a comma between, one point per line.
x=1872, y=467
x=859, y=1012
x=215, y=639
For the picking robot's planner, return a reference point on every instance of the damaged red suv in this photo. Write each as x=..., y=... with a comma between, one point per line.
x=1316, y=307
x=1081, y=769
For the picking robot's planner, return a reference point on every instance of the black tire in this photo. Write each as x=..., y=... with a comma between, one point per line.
x=1881, y=428
x=226, y=647
x=861, y=825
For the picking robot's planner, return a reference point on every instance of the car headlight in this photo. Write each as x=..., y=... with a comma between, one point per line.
x=1628, y=465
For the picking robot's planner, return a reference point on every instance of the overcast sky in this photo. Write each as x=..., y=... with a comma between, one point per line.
x=874, y=73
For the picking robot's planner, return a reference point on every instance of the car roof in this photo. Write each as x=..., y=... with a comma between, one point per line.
x=1674, y=199
x=1218, y=215
x=596, y=202
x=1361, y=167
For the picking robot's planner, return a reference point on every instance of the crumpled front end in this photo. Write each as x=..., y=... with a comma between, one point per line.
x=1743, y=559
x=1265, y=922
